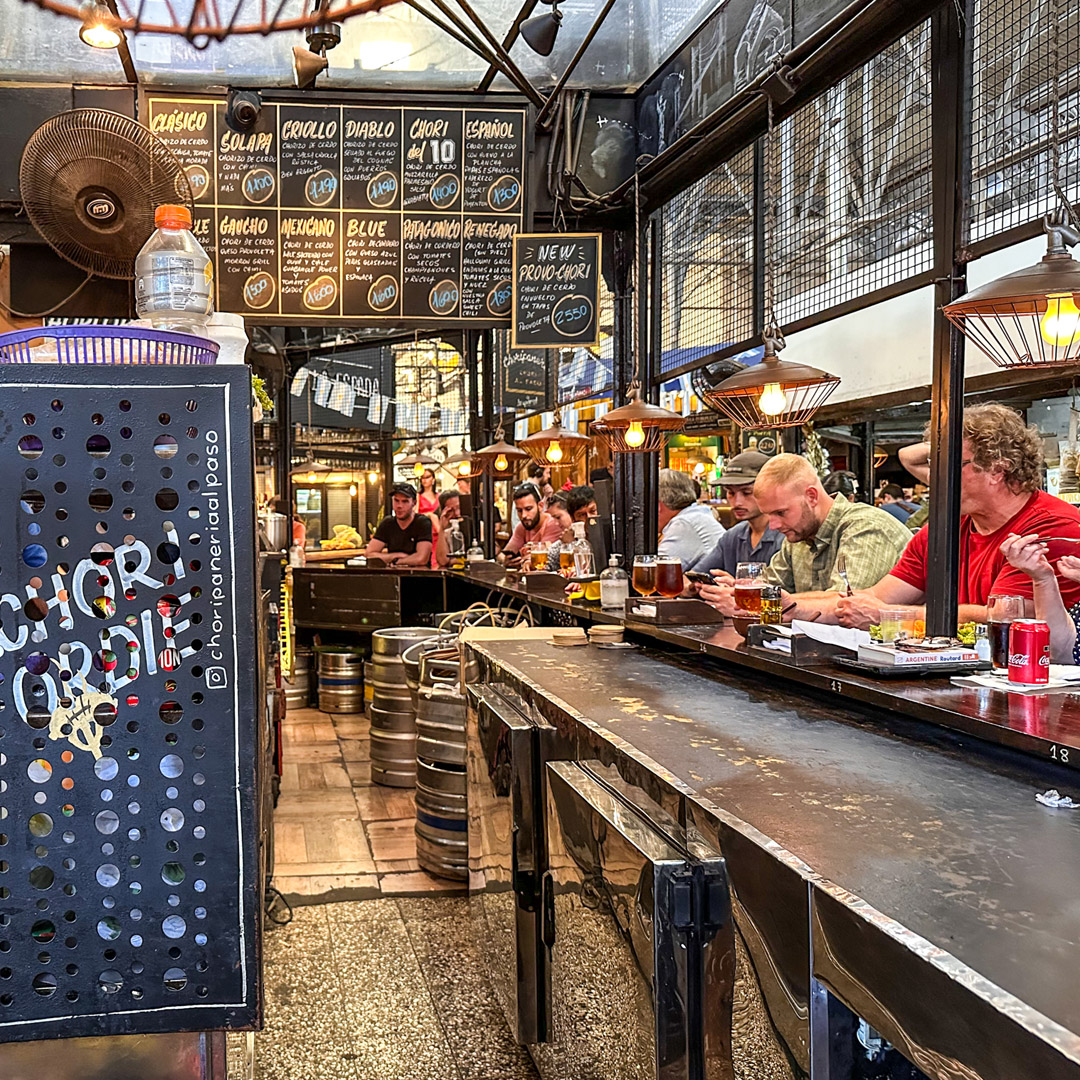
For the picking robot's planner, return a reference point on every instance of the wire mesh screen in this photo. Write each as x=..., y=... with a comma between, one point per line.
x=1012, y=80
x=853, y=188
x=707, y=238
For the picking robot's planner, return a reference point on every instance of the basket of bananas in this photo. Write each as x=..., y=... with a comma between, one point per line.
x=345, y=538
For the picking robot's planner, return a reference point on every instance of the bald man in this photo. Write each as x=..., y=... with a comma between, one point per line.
x=817, y=529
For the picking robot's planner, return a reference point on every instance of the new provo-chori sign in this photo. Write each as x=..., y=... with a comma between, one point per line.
x=556, y=289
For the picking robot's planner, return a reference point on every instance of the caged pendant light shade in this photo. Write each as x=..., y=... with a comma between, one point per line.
x=556, y=446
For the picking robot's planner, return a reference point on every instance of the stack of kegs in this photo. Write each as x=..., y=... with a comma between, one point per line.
x=298, y=687
x=441, y=807
x=341, y=679
x=393, y=717
x=412, y=656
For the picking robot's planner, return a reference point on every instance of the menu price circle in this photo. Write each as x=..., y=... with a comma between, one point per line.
x=556, y=290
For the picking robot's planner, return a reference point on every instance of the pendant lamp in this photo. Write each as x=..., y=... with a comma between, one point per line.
x=462, y=466
x=881, y=455
x=637, y=427
x=310, y=470
x=556, y=447
x=500, y=459
x=774, y=393
x=1031, y=318
x=417, y=463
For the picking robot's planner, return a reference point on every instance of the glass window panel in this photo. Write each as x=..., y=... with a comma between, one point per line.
x=40, y=45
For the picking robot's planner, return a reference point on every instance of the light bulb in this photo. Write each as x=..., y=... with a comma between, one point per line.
x=311, y=478
x=699, y=468
x=1061, y=323
x=635, y=434
x=501, y=464
x=373, y=477
x=773, y=400
x=418, y=469
x=464, y=469
x=99, y=29
x=352, y=490
x=554, y=452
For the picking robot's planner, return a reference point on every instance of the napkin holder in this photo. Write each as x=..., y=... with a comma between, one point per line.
x=805, y=651
x=677, y=611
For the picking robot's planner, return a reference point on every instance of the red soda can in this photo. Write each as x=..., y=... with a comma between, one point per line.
x=1029, y=652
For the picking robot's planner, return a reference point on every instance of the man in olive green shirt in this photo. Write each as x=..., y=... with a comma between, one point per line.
x=817, y=528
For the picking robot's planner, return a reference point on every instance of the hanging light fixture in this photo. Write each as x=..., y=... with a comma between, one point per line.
x=462, y=466
x=308, y=64
x=1031, y=318
x=541, y=30
x=309, y=469
x=773, y=393
x=500, y=458
x=881, y=455
x=100, y=27
x=556, y=446
x=417, y=463
x=637, y=427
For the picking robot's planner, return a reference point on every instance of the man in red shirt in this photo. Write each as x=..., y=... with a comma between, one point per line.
x=1001, y=472
x=533, y=524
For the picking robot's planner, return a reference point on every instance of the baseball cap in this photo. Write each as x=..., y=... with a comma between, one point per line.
x=403, y=489
x=743, y=468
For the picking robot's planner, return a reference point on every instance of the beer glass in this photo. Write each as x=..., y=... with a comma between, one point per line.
x=538, y=555
x=1002, y=612
x=644, y=579
x=669, y=576
x=749, y=581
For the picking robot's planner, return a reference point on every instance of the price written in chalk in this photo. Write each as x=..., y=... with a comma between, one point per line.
x=555, y=289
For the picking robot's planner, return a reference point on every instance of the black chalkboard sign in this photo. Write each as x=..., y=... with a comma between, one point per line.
x=525, y=376
x=330, y=214
x=556, y=291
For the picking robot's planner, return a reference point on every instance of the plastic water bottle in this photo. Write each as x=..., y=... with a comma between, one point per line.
x=174, y=276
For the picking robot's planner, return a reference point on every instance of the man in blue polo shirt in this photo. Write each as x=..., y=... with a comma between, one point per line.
x=751, y=540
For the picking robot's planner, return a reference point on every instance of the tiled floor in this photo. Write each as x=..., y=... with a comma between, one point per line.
x=385, y=989
x=386, y=983
x=337, y=835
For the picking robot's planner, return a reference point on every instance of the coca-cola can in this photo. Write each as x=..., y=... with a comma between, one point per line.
x=1029, y=652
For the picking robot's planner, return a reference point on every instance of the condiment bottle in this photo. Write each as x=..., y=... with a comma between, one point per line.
x=584, y=565
x=982, y=641
x=455, y=546
x=476, y=552
x=614, y=585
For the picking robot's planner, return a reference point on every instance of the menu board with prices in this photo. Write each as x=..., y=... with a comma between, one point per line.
x=525, y=379
x=556, y=290
x=330, y=214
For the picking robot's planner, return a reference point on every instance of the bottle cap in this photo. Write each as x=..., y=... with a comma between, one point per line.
x=170, y=216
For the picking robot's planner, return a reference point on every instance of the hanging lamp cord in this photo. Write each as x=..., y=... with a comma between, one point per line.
x=771, y=335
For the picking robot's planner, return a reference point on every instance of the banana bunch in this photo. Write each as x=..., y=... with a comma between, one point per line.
x=345, y=538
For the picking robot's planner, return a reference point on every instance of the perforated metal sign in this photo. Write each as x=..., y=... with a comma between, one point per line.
x=128, y=883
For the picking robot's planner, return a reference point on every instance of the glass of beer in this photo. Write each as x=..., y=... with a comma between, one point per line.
x=538, y=555
x=566, y=557
x=749, y=581
x=669, y=577
x=1002, y=612
x=644, y=579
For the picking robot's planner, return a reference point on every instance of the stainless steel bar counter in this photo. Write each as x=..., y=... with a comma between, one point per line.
x=870, y=873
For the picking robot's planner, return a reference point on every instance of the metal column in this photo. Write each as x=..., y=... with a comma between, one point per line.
x=950, y=44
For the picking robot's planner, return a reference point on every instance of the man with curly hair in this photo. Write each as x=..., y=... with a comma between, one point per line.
x=1001, y=472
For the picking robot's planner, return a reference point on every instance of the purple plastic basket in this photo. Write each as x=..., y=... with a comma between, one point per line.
x=109, y=345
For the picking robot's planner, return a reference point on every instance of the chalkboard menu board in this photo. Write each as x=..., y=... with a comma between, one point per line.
x=556, y=289
x=525, y=376
x=331, y=214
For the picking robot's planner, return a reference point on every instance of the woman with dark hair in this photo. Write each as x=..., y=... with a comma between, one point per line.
x=428, y=502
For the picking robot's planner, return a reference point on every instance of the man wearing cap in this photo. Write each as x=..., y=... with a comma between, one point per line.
x=404, y=537
x=751, y=540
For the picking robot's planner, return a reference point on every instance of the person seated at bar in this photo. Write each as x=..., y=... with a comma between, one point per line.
x=1028, y=554
x=688, y=529
x=558, y=509
x=818, y=528
x=893, y=502
x=842, y=482
x=404, y=537
x=581, y=503
x=750, y=539
x=449, y=510
x=1001, y=470
x=533, y=524
x=540, y=475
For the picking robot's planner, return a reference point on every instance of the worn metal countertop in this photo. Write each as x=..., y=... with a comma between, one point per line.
x=943, y=837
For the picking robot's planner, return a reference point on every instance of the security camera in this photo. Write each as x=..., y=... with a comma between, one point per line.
x=243, y=110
